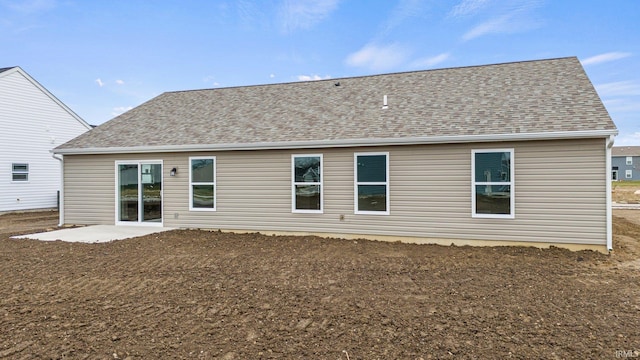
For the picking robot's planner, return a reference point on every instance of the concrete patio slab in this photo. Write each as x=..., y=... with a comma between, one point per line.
x=94, y=233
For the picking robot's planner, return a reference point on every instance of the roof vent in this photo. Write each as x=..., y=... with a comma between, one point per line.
x=385, y=105
x=337, y=83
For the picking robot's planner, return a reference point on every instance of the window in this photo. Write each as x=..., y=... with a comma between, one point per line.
x=628, y=174
x=371, y=188
x=19, y=172
x=614, y=175
x=629, y=160
x=202, y=183
x=306, y=180
x=492, y=188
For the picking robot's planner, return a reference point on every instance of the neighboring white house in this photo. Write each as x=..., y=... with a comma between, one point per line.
x=32, y=123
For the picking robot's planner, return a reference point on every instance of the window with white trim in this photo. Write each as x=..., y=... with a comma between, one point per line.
x=306, y=183
x=371, y=188
x=628, y=174
x=629, y=160
x=202, y=183
x=492, y=183
x=20, y=172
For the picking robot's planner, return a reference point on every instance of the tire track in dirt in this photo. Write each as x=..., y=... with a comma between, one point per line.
x=15, y=349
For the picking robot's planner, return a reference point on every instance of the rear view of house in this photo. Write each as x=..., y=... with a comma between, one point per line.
x=32, y=123
x=625, y=163
x=462, y=155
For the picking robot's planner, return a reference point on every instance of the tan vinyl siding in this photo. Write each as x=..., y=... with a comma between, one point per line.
x=88, y=190
x=559, y=189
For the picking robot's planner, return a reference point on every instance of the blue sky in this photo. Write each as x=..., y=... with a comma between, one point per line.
x=102, y=58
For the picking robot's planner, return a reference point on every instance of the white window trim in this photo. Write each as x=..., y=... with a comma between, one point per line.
x=294, y=183
x=214, y=183
x=13, y=171
x=511, y=184
x=628, y=174
x=629, y=160
x=356, y=183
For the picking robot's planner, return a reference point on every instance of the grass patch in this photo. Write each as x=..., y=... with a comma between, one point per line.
x=625, y=183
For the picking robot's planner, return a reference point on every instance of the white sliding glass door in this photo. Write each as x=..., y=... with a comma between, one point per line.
x=139, y=192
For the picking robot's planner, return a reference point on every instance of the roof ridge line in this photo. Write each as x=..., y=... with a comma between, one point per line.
x=372, y=75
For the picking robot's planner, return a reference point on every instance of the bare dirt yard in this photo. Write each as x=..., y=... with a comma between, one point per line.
x=626, y=192
x=209, y=295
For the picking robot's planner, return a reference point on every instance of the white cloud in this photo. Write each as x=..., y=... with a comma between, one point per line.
x=430, y=61
x=621, y=105
x=120, y=109
x=610, y=56
x=312, y=77
x=30, y=6
x=247, y=11
x=404, y=10
x=618, y=88
x=271, y=76
x=623, y=139
x=210, y=79
x=501, y=24
x=99, y=82
x=378, y=57
x=304, y=14
x=467, y=7
x=120, y=82
x=513, y=17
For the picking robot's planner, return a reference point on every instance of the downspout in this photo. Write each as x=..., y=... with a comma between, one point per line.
x=61, y=200
x=608, y=197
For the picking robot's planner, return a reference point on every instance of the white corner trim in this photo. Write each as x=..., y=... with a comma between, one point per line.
x=609, y=212
x=61, y=199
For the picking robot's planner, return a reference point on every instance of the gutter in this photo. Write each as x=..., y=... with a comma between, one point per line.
x=61, y=200
x=609, y=212
x=368, y=142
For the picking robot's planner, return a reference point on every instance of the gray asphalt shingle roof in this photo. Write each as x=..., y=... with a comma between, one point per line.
x=543, y=96
x=625, y=151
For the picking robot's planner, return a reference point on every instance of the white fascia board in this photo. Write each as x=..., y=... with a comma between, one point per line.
x=344, y=143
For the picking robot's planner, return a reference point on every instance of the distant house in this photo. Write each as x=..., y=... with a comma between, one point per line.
x=32, y=123
x=625, y=163
x=461, y=155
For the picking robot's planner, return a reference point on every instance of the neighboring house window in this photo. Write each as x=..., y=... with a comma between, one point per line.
x=306, y=183
x=628, y=174
x=493, y=183
x=202, y=183
x=629, y=160
x=614, y=175
x=371, y=188
x=20, y=172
